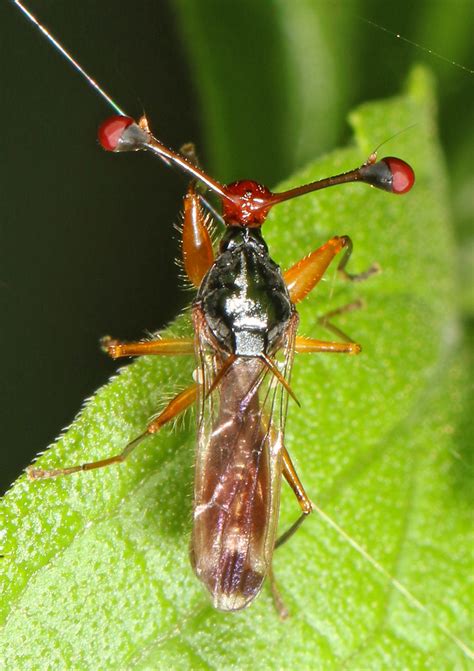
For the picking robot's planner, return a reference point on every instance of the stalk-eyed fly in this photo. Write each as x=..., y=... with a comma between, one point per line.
x=245, y=335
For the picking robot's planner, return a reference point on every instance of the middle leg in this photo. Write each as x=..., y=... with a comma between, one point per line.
x=162, y=346
x=304, y=275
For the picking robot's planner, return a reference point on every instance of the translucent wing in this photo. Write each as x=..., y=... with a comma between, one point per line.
x=238, y=469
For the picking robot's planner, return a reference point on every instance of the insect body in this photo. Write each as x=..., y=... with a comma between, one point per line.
x=245, y=324
x=243, y=316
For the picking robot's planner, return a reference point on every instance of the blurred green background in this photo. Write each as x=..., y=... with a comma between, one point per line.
x=87, y=239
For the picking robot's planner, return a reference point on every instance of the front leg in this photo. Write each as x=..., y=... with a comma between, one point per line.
x=304, y=275
x=354, y=277
x=198, y=254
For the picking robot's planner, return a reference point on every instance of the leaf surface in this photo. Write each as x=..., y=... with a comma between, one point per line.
x=96, y=573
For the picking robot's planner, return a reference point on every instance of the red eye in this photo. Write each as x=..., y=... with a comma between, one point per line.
x=403, y=176
x=111, y=130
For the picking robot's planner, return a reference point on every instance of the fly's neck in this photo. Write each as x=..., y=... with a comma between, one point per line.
x=236, y=236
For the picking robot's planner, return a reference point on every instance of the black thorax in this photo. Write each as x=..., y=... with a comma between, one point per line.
x=243, y=297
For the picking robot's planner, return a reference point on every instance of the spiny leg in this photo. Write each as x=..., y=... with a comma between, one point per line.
x=162, y=346
x=198, y=254
x=176, y=406
x=304, y=275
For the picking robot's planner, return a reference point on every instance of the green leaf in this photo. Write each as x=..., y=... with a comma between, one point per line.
x=96, y=572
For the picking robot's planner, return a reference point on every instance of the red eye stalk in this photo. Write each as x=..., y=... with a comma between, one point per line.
x=390, y=174
x=247, y=203
x=122, y=133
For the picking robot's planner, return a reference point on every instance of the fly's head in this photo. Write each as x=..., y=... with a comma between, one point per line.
x=247, y=203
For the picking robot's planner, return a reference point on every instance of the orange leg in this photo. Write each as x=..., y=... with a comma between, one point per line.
x=198, y=255
x=306, y=506
x=309, y=345
x=306, y=273
x=293, y=480
x=163, y=346
x=176, y=406
x=172, y=347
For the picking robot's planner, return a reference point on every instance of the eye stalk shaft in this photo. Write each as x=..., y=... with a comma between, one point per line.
x=122, y=133
x=245, y=202
x=390, y=174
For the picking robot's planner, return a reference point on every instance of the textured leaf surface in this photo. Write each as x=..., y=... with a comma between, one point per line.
x=96, y=574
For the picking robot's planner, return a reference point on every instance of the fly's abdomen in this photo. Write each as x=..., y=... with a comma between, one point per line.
x=236, y=490
x=228, y=544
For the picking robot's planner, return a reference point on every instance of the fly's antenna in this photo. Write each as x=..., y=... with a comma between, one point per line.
x=31, y=17
x=373, y=156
